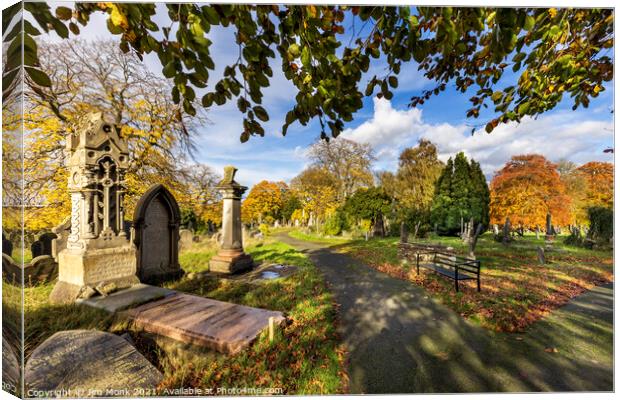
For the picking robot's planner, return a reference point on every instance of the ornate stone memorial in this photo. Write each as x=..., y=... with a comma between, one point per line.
x=98, y=250
x=156, y=224
x=231, y=257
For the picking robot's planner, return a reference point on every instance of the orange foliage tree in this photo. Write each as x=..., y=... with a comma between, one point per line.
x=264, y=202
x=600, y=184
x=526, y=189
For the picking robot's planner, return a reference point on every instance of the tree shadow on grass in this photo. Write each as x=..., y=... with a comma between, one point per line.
x=400, y=340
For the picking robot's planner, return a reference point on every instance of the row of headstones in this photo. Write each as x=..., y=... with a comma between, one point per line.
x=41, y=269
x=41, y=246
x=156, y=236
x=187, y=237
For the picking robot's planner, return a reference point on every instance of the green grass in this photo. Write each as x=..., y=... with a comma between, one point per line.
x=17, y=255
x=516, y=289
x=316, y=237
x=305, y=357
x=196, y=261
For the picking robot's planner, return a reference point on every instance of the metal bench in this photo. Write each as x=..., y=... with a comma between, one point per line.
x=451, y=266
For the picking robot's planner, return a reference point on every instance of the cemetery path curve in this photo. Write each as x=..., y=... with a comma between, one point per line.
x=401, y=340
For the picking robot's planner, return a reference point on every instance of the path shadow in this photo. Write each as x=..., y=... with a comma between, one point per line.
x=401, y=340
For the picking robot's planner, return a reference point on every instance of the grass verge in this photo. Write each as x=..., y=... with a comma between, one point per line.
x=315, y=237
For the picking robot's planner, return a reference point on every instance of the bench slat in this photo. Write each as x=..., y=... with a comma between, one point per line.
x=447, y=272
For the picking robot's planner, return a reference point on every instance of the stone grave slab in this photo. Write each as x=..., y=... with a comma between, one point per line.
x=126, y=298
x=214, y=324
x=89, y=363
x=10, y=367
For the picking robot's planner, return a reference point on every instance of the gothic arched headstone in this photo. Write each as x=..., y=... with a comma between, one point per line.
x=156, y=223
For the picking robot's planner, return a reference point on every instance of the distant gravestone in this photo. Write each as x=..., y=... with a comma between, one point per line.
x=541, y=255
x=7, y=246
x=42, y=269
x=549, y=229
x=36, y=248
x=156, y=224
x=87, y=363
x=61, y=231
x=404, y=233
x=186, y=237
x=11, y=272
x=46, y=239
x=506, y=233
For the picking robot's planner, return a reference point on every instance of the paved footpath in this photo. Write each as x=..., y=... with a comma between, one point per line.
x=400, y=340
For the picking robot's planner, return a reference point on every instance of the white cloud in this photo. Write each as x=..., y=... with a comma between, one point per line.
x=557, y=135
x=388, y=129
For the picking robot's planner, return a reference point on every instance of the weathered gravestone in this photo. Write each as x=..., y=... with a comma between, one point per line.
x=98, y=251
x=156, y=229
x=11, y=272
x=541, y=255
x=186, y=238
x=506, y=232
x=7, y=246
x=549, y=229
x=36, y=248
x=62, y=232
x=10, y=367
x=87, y=363
x=43, y=245
x=41, y=269
x=231, y=257
x=404, y=233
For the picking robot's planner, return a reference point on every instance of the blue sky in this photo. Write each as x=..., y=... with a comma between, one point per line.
x=389, y=126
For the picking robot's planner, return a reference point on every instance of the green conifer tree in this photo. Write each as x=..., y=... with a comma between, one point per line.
x=480, y=195
x=461, y=193
x=442, y=201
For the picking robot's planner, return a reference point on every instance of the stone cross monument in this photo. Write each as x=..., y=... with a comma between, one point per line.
x=98, y=254
x=231, y=258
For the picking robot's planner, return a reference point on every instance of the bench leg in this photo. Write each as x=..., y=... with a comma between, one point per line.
x=456, y=278
x=478, y=282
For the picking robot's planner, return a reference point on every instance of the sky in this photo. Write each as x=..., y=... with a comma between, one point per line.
x=388, y=126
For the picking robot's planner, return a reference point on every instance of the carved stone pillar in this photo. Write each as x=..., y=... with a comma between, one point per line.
x=231, y=258
x=98, y=253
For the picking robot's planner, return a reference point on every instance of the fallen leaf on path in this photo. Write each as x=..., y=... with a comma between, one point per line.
x=551, y=350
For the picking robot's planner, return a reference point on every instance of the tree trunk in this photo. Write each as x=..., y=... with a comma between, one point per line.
x=379, y=229
x=474, y=241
